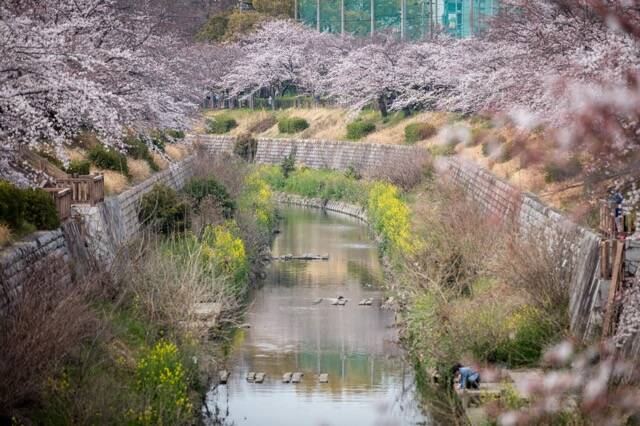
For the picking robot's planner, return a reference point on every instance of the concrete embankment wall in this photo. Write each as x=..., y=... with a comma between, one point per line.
x=352, y=210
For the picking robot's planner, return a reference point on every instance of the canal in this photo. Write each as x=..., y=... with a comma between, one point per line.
x=369, y=381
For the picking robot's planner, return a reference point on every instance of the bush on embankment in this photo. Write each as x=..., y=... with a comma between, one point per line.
x=290, y=125
x=26, y=210
x=469, y=297
x=221, y=123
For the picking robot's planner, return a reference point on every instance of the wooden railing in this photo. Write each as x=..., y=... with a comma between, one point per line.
x=62, y=197
x=86, y=189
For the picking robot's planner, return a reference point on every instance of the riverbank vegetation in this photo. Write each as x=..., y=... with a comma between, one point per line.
x=132, y=344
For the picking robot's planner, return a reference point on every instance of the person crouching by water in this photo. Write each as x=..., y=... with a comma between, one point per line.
x=469, y=378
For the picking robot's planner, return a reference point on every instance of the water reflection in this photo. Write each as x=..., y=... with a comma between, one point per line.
x=369, y=384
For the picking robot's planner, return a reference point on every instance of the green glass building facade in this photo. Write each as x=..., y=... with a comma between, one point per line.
x=412, y=19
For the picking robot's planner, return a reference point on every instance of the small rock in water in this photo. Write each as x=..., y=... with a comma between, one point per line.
x=342, y=302
x=245, y=325
x=335, y=301
x=315, y=302
x=223, y=375
x=286, y=377
x=251, y=376
x=324, y=378
x=260, y=377
x=297, y=377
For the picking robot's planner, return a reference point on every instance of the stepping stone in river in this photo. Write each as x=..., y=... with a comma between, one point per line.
x=342, y=302
x=286, y=377
x=297, y=377
x=251, y=376
x=366, y=302
x=260, y=377
x=223, y=375
x=324, y=378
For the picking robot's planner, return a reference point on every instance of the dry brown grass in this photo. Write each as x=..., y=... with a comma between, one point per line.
x=160, y=160
x=5, y=235
x=176, y=152
x=138, y=169
x=41, y=328
x=114, y=182
x=395, y=134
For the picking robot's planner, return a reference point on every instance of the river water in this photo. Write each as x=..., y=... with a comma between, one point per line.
x=369, y=382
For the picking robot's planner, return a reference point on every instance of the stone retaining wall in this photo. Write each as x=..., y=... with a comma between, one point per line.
x=321, y=154
x=43, y=249
x=353, y=210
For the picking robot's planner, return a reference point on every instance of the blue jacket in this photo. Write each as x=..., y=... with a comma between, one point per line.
x=467, y=373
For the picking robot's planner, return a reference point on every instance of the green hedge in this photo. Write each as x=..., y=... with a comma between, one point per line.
x=292, y=125
x=359, y=129
x=24, y=210
x=109, y=159
x=417, y=132
x=219, y=124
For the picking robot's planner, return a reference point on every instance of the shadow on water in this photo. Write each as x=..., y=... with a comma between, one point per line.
x=370, y=383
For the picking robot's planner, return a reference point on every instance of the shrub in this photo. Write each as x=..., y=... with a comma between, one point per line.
x=246, y=146
x=161, y=209
x=288, y=165
x=418, y=131
x=11, y=205
x=40, y=209
x=554, y=172
x=507, y=151
x=175, y=133
x=162, y=380
x=108, y=159
x=79, y=167
x=292, y=125
x=444, y=150
x=359, y=129
x=199, y=188
x=221, y=123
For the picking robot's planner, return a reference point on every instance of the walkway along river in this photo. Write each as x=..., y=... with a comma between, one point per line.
x=369, y=382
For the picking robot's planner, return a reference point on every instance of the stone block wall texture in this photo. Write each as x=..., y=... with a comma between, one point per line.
x=352, y=210
x=322, y=154
x=42, y=251
x=533, y=219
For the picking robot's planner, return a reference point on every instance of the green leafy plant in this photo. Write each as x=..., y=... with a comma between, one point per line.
x=200, y=188
x=221, y=123
x=162, y=380
x=418, y=131
x=138, y=149
x=288, y=165
x=359, y=129
x=160, y=208
x=108, y=159
x=175, y=133
x=292, y=125
x=79, y=167
x=39, y=209
x=11, y=205
x=246, y=146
